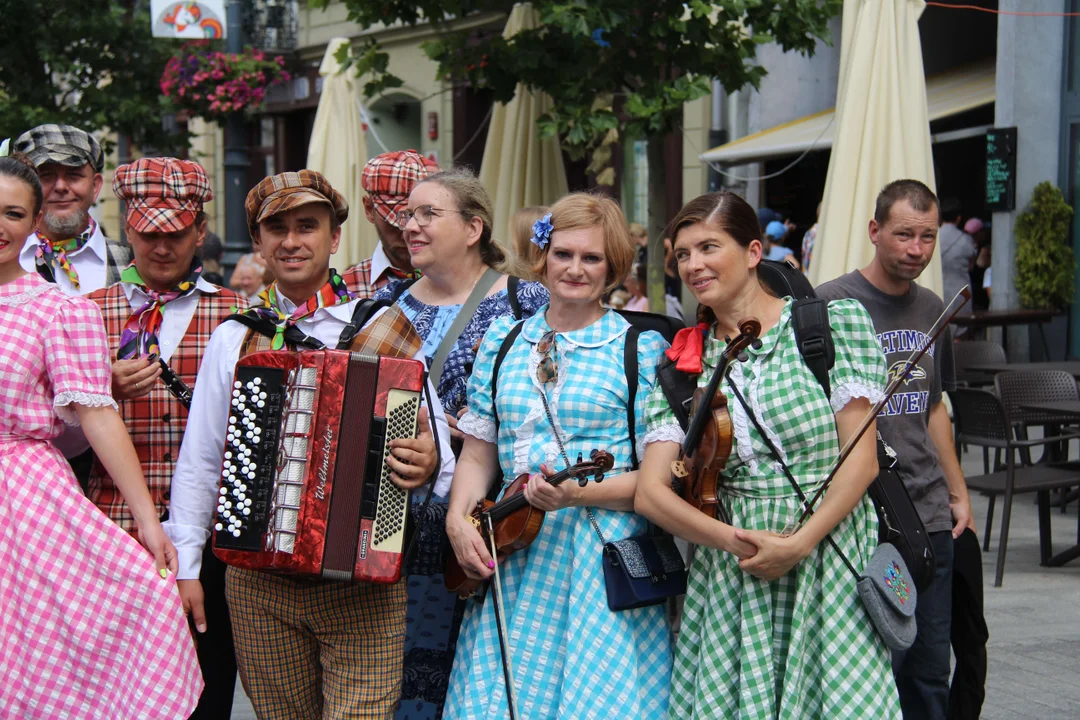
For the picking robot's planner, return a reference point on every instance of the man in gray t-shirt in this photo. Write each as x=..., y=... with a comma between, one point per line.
x=914, y=422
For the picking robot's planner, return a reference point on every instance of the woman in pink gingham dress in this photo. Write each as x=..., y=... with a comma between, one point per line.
x=90, y=622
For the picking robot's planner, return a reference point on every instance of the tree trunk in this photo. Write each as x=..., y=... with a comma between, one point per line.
x=657, y=221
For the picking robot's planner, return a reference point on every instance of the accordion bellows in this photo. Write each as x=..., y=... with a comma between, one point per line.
x=305, y=488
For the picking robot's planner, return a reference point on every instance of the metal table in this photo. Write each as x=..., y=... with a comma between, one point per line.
x=982, y=319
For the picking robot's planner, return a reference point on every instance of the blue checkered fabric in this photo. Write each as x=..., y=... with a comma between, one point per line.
x=572, y=657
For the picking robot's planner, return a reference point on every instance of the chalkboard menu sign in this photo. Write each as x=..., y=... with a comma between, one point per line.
x=1001, y=169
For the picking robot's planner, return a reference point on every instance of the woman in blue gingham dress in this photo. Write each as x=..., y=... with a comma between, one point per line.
x=572, y=657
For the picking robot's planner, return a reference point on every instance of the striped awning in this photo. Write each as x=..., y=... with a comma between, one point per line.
x=948, y=94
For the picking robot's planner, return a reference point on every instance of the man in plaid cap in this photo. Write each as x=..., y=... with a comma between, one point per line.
x=305, y=649
x=163, y=309
x=69, y=247
x=387, y=179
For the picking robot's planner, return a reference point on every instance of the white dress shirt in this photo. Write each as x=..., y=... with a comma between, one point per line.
x=90, y=261
x=198, y=468
x=379, y=263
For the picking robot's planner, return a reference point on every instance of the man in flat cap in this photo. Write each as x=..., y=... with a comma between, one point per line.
x=163, y=309
x=305, y=649
x=69, y=248
x=387, y=179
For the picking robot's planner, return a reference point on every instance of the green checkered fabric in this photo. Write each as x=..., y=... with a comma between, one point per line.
x=801, y=647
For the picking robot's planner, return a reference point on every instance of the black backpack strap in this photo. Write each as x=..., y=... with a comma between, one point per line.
x=293, y=335
x=507, y=343
x=362, y=312
x=512, y=295
x=678, y=388
x=630, y=365
x=810, y=320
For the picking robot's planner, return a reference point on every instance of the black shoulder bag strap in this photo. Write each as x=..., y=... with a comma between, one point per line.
x=630, y=365
x=293, y=335
x=787, y=473
x=512, y=283
x=362, y=313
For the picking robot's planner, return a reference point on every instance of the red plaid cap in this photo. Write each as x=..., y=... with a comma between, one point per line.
x=390, y=177
x=162, y=194
x=285, y=191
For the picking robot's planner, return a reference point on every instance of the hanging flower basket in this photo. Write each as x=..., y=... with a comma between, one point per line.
x=211, y=84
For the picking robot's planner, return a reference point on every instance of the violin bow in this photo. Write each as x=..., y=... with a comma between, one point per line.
x=939, y=326
x=500, y=624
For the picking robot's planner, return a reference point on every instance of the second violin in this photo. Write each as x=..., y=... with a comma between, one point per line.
x=516, y=522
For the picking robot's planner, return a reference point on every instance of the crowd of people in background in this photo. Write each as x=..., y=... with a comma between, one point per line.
x=109, y=476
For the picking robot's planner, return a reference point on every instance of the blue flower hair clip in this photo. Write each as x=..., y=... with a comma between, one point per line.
x=542, y=231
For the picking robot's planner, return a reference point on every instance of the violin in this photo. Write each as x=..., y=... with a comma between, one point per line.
x=516, y=522
x=705, y=450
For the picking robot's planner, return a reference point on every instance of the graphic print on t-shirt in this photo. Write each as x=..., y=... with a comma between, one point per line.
x=902, y=343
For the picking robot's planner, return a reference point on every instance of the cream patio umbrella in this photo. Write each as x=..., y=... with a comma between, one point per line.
x=520, y=169
x=882, y=132
x=338, y=150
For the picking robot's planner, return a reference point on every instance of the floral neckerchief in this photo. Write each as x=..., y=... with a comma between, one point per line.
x=52, y=255
x=334, y=292
x=140, y=334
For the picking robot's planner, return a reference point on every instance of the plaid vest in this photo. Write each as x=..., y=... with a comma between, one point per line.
x=155, y=421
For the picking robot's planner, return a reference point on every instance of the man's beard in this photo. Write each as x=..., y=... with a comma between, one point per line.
x=65, y=227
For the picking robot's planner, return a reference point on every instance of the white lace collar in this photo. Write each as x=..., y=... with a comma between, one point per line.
x=23, y=289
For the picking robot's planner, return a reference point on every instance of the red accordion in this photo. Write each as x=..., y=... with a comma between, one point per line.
x=305, y=488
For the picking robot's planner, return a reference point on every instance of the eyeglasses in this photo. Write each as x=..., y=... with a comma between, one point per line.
x=423, y=215
x=548, y=369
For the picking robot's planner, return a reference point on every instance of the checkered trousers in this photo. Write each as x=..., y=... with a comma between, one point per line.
x=310, y=650
x=358, y=279
x=155, y=421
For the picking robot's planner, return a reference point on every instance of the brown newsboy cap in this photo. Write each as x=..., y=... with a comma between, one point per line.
x=285, y=191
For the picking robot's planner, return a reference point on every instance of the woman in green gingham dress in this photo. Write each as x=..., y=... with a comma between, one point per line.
x=772, y=626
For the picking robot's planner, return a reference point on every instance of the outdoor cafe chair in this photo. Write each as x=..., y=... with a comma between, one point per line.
x=1019, y=388
x=967, y=353
x=981, y=419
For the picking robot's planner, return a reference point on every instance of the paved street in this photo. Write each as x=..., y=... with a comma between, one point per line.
x=1034, y=620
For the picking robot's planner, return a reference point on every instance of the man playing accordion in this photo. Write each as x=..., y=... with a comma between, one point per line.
x=306, y=648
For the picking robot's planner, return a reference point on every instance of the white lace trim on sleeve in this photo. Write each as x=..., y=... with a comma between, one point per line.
x=668, y=432
x=62, y=404
x=478, y=427
x=843, y=394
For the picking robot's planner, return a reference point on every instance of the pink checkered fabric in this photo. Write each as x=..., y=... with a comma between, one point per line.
x=390, y=177
x=162, y=194
x=88, y=629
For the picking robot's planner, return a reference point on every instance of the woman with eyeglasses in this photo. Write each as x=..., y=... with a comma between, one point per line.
x=561, y=392
x=447, y=229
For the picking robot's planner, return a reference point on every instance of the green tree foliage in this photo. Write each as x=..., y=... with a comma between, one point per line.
x=614, y=68
x=87, y=63
x=652, y=56
x=1045, y=264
